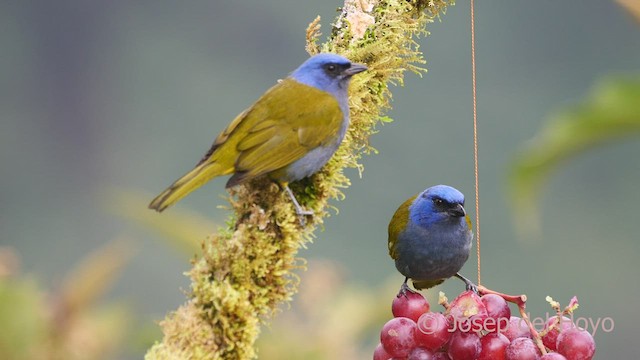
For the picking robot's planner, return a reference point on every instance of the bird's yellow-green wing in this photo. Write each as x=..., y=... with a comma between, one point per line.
x=214, y=163
x=222, y=138
x=288, y=121
x=284, y=125
x=398, y=224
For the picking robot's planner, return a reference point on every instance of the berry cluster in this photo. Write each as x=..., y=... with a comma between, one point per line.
x=475, y=327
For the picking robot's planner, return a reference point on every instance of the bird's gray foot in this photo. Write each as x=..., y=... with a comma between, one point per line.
x=469, y=285
x=404, y=288
x=299, y=209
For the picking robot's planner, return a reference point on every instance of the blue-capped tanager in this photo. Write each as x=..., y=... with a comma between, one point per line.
x=430, y=237
x=288, y=134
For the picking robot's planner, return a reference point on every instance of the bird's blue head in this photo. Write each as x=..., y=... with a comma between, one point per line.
x=327, y=72
x=437, y=204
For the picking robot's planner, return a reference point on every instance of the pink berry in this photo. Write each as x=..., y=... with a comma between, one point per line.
x=420, y=353
x=576, y=344
x=433, y=331
x=517, y=328
x=522, y=348
x=493, y=347
x=464, y=346
x=441, y=356
x=398, y=336
x=410, y=305
x=553, y=356
x=498, y=312
x=550, y=338
x=380, y=353
x=467, y=313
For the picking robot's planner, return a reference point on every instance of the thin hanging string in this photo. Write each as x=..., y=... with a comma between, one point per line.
x=475, y=134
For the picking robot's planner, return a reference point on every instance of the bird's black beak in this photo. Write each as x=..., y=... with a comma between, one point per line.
x=457, y=211
x=354, y=69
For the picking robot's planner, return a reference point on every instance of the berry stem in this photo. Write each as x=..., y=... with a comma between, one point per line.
x=442, y=300
x=521, y=302
x=568, y=310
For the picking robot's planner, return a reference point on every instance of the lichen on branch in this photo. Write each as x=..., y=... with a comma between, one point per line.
x=248, y=269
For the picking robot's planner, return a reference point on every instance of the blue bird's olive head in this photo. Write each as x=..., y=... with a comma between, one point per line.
x=436, y=204
x=328, y=72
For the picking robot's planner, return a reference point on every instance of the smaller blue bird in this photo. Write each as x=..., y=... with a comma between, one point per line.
x=430, y=237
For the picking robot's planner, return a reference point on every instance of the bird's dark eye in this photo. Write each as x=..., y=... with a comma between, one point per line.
x=331, y=69
x=438, y=201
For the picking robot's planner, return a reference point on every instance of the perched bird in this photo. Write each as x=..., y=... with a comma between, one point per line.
x=288, y=134
x=430, y=237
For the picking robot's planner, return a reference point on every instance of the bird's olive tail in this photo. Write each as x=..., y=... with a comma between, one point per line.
x=186, y=184
x=426, y=284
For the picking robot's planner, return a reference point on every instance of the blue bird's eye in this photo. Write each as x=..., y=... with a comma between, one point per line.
x=438, y=201
x=332, y=69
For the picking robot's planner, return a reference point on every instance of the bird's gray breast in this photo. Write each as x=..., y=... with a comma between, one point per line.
x=435, y=253
x=311, y=163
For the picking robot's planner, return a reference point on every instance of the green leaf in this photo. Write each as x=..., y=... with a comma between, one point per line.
x=610, y=113
x=386, y=119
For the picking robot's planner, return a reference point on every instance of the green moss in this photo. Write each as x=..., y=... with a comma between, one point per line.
x=246, y=271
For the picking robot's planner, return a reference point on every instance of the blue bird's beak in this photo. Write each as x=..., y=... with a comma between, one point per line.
x=354, y=69
x=457, y=211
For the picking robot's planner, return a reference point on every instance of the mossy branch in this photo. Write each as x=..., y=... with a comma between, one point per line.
x=247, y=270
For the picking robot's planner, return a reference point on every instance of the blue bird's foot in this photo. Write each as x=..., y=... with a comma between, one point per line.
x=404, y=288
x=469, y=285
x=299, y=210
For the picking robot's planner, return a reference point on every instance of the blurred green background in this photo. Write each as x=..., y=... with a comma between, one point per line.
x=98, y=97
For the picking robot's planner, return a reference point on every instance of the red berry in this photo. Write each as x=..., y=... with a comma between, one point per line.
x=410, y=305
x=420, y=353
x=522, y=348
x=493, y=347
x=553, y=356
x=576, y=344
x=398, y=336
x=498, y=311
x=550, y=338
x=464, y=346
x=517, y=328
x=467, y=313
x=433, y=331
x=441, y=356
x=380, y=353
